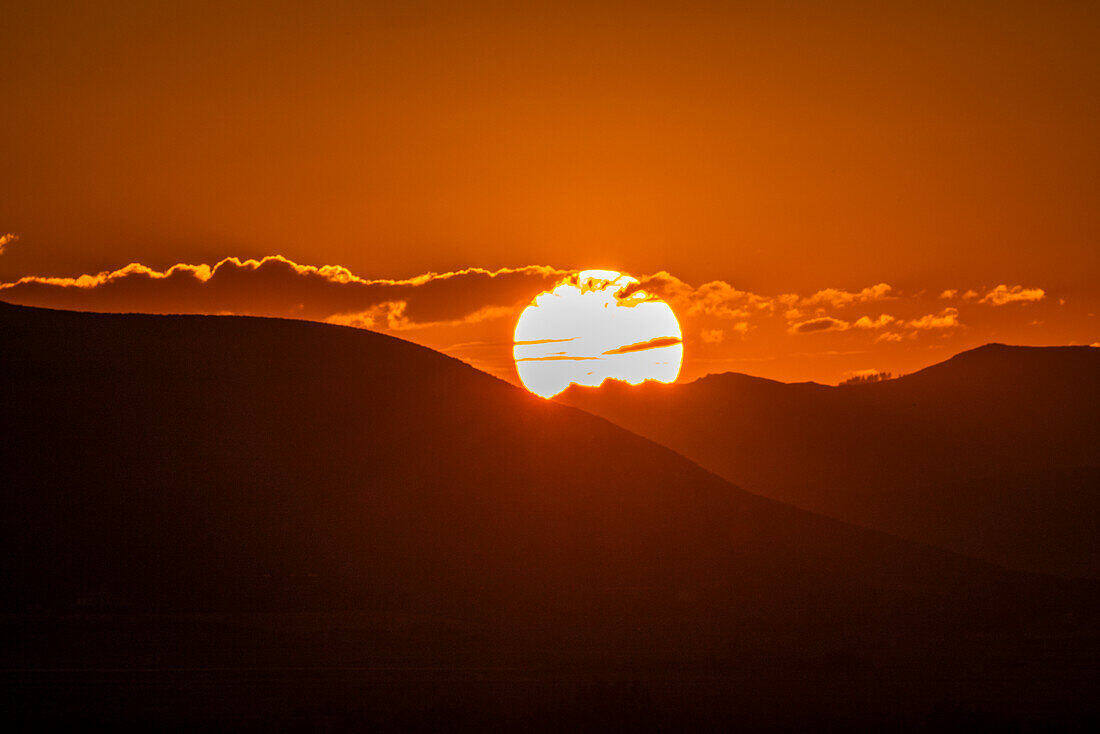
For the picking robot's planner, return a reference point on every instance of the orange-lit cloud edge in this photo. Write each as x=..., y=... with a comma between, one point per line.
x=470, y=312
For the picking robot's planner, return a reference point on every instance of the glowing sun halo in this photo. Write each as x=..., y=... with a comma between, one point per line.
x=592, y=326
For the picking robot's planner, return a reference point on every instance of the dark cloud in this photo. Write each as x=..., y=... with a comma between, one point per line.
x=656, y=343
x=823, y=323
x=275, y=286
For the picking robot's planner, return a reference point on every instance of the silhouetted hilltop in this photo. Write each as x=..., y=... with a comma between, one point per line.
x=994, y=452
x=192, y=449
x=222, y=493
x=1004, y=359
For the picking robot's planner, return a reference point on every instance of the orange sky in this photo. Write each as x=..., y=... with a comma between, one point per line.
x=775, y=147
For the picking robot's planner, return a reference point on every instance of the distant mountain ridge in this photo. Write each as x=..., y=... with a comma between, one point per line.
x=994, y=452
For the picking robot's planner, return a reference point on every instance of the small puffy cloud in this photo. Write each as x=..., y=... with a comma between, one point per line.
x=889, y=336
x=945, y=319
x=7, y=239
x=949, y=294
x=788, y=301
x=866, y=322
x=386, y=315
x=1003, y=294
x=840, y=298
x=820, y=324
x=713, y=336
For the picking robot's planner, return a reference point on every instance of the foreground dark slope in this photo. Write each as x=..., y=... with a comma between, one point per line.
x=994, y=453
x=211, y=493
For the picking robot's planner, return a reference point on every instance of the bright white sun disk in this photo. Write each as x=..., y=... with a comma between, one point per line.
x=595, y=326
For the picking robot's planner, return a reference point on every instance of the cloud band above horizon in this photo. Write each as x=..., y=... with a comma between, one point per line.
x=432, y=307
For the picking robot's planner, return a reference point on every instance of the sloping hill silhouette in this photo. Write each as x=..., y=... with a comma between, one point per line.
x=185, y=496
x=994, y=453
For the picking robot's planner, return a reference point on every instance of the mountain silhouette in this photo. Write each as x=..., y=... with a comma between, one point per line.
x=228, y=518
x=994, y=453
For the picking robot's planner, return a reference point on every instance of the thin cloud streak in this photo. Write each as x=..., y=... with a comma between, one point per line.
x=533, y=342
x=657, y=343
x=557, y=358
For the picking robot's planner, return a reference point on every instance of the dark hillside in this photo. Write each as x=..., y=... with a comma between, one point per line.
x=212, y=517
x=994, y=453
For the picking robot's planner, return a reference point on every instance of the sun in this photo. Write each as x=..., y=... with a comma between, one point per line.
x=593, y=326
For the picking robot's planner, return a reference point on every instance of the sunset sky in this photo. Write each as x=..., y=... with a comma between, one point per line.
x=817, y=189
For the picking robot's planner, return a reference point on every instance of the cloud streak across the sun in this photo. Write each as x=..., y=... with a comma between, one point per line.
x=657, y=343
